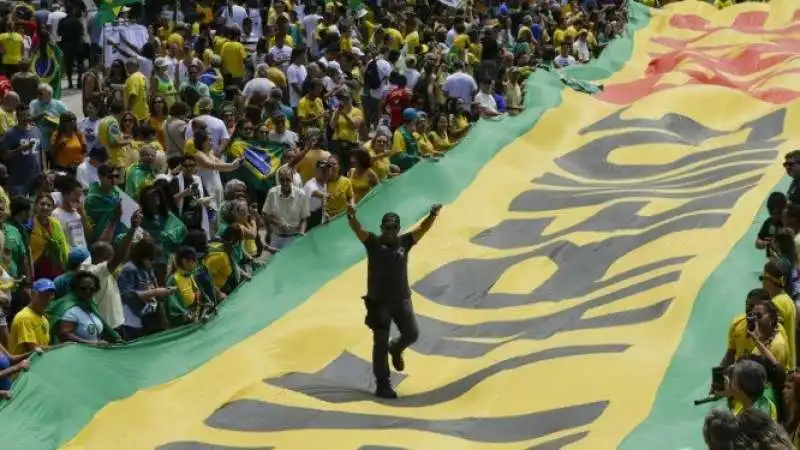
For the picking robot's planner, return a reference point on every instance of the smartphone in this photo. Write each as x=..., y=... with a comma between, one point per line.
x=718, y=378
x=751, y=323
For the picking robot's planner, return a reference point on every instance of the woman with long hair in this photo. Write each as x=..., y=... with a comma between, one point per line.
x=75, y=317
x=438, y=134
x=48, y=243
x=159, y=110
x=361, y=175
x=165, y=229
x=68, y=144
x=380, y=149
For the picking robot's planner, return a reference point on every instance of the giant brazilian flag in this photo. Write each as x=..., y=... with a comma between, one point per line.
x=573, y=293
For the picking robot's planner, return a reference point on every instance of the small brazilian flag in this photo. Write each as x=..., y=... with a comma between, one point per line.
x=109, y=9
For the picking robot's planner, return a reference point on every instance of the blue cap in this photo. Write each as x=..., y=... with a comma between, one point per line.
x=410, y=114
x=503, y=10
x=44, y=285
x=77, y=256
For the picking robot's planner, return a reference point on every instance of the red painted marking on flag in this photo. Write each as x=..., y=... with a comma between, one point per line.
x=779, y=47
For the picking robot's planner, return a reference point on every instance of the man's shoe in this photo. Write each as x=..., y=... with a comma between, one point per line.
x=385, y=391
x=398, y=362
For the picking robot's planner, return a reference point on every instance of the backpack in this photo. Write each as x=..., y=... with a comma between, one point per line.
x=372, y=78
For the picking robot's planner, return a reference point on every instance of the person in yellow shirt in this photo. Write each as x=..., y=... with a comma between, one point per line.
x=310, y=108
x=8, y=111
x=30, y=329
x=340, y=190
x=396, y=40
x=136, y=89
x=361, y=175
x=233, y=55
x=13, y=48
x=308, y=165
x=739, y=344
x=110, y=134
x=346, y=120
x=773, y=281
x=412, y=36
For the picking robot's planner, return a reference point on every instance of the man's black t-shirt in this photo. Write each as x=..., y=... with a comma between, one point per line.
x=387, y=268
x=769, y=229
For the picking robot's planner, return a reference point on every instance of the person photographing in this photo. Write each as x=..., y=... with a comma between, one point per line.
x=388, y=296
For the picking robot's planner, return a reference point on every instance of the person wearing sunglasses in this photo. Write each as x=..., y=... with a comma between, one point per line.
x=388, y=296
x=75, y=318
x=103, y=201
x=791, y=163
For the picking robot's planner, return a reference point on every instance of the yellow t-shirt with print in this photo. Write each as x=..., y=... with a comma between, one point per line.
x=308, y=108
x=13, y=47
x=743, y=345
x=188, y=291
x=233, y=55
x=340, y=193
x=28, y=328
x=344, y=131
x=136, y=86
x=381, y=165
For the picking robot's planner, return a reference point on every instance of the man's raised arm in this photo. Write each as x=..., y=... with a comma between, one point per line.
x=426, y=224
x=355, y=225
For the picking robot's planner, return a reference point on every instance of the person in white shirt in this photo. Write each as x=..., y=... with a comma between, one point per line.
x=260, y=84
x=296, y=75
x=217, y=130
x=105, y=262
x=90, y=124
x=412, y=74
x=70, y=213
x=372, y=102
x=286, y=210
x=317, y=191
x=233, y=14
x=87, y=170
x=460, y=85
x=52, y=22
x=484, y=100
x=309, y=24
x=281, y=134
x=564, y=59
x=281, y=53
x=581, y=48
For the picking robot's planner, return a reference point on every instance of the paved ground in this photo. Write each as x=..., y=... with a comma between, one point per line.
x=72, y=98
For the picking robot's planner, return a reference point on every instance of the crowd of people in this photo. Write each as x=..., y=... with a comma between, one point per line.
x=757, y=374
x=230, y=133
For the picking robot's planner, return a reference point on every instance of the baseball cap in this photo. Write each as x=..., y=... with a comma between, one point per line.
x=77, y=255
x=410, y=114
x=44, y=285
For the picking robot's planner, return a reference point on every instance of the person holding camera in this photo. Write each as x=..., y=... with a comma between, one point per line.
x=189, y=196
